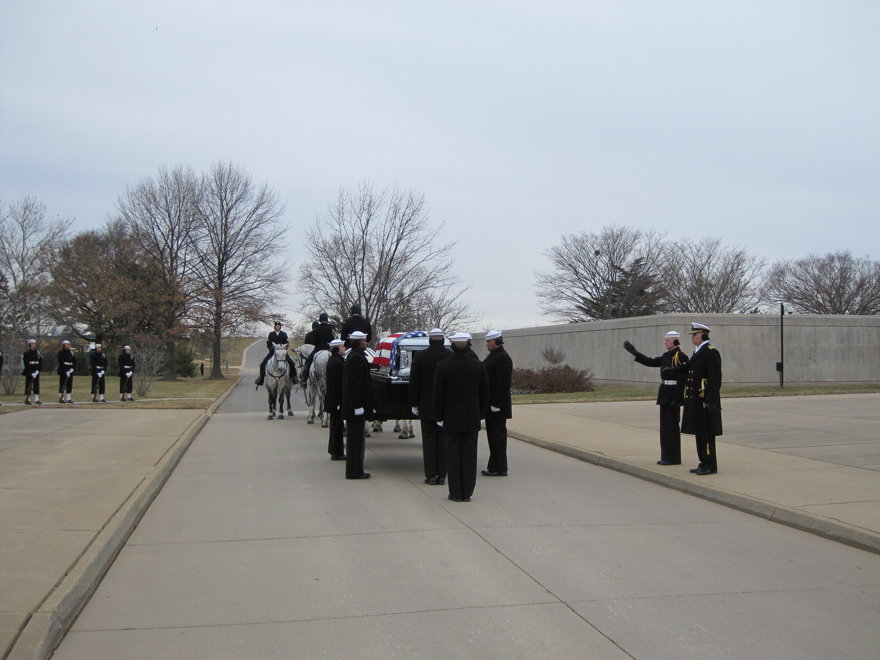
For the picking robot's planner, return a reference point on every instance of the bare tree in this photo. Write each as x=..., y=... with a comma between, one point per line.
x=613, y=274
x=27, y=247
x=378, y=250
x=161, y=214
x=239, y=263
x=150, y=356
x=836, y=283
x=705, y=277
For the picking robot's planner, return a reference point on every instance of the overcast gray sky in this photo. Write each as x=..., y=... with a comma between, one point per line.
x=754, y=121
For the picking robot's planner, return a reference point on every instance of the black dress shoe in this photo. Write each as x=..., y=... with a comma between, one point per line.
x=431, y=481
x=465, y=499
x=662, y=462
x=337, y=458
x=441, y=481
x=701, y=471
x=489, y=473
x=365, y=475
x=696, y=469
x=454, y=499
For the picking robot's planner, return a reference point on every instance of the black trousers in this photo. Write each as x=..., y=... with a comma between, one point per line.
x=98, y=385
x=125, y=384
x=706, y=451
x=31, y=384
x=496, y=432
x=461, y=463
x=336, y=444
x=670, y=434
x=433, y=449
x=65, y=383
x=354, y=457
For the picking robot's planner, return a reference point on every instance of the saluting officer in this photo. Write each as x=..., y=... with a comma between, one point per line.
x=276, y=338
x=702, y=397
x=669, y=396
x=126, y=373
x=357, y=403
x=333, y=401
x=98, y=364
x=421, y=398
x=499, y=368
x=461, y=397
x=32, y=361
x=356, y=322
x=66, y=366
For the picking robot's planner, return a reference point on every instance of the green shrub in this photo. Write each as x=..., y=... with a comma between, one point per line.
x=184, y=356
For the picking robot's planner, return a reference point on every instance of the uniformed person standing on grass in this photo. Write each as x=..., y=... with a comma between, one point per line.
x=357, y=403
x=669, y=396
x=702, y=397
x=98, y=364
x=499, y=368
x=32, y=361
x=126, y=374
x=333, y=401
x=421, y=398
x=461, y=397
x=66, y=367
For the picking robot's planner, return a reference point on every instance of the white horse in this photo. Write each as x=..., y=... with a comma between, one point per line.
x=278, y=382
x=317, y=388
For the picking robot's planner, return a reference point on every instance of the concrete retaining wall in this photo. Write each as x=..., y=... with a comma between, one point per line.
x=818, y=349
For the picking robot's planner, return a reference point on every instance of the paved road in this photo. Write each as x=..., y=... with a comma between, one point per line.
x=257, y=547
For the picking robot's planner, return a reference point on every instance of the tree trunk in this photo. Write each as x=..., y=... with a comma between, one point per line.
x=170, y=373
x=216, y=371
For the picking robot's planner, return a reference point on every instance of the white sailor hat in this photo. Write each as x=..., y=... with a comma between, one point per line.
x=66, y=341
x=697, y=328
x=436, y=332
x=357, y=334
x=337, y=342
x=493, y=334
x=460, y=337
x=97, y=343
x=32, y=341
x=673, y=334
x=126, y=348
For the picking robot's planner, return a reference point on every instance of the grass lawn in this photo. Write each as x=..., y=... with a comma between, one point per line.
x=198, y=392
x=636, y=393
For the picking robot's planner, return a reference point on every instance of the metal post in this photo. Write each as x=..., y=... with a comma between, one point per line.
x=781, y=345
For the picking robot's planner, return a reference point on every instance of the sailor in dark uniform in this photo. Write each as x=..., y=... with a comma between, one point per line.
x=276, y=338
x=421, y=397
x=333, y=400
x=669, y=396
x=98, y=364
x=126, y=374
x=499, y=368
x=461, y=398
x=321, y=335
x=32, y=361
x=357, y=404
x=66, y=367
x=356, y=322
x=702, y=397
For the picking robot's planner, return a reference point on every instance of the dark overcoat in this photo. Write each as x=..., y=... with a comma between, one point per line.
x=279, y=338
x=353, y=323
x=125, y=363
x=356, y=385
x=461, y=393
x=98, y=362
x=335, y=369
x=421, y=377
x=499, y=368
x=66, y=360
x=32, y=360
x=702, y=393
x=667, y=395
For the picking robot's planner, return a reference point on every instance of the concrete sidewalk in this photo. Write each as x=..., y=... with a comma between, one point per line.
x=809, y=462
x=73, y=485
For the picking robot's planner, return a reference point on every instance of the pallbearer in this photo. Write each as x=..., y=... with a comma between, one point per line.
x=421, y=397
x=126, y=373
x=66, y=366
x=333, y=401
x=357, y=403
x=499, y=368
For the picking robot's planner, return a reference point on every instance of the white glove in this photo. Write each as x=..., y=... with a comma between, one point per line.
x=440, y=424
x=494, y=409
x=128, y=374
x=69, y=372
x=358, y=412
x=415, y=411
x=100, y=374
x=35, y=374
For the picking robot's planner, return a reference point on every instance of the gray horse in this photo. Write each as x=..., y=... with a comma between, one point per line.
x=318, y=388
x=278, y=382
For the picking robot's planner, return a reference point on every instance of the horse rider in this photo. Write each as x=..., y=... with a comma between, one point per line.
x=356, y=322
x=320, y=336
x=276, y=337
x=66, y=367
x=32, y=360
x=98, y=363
